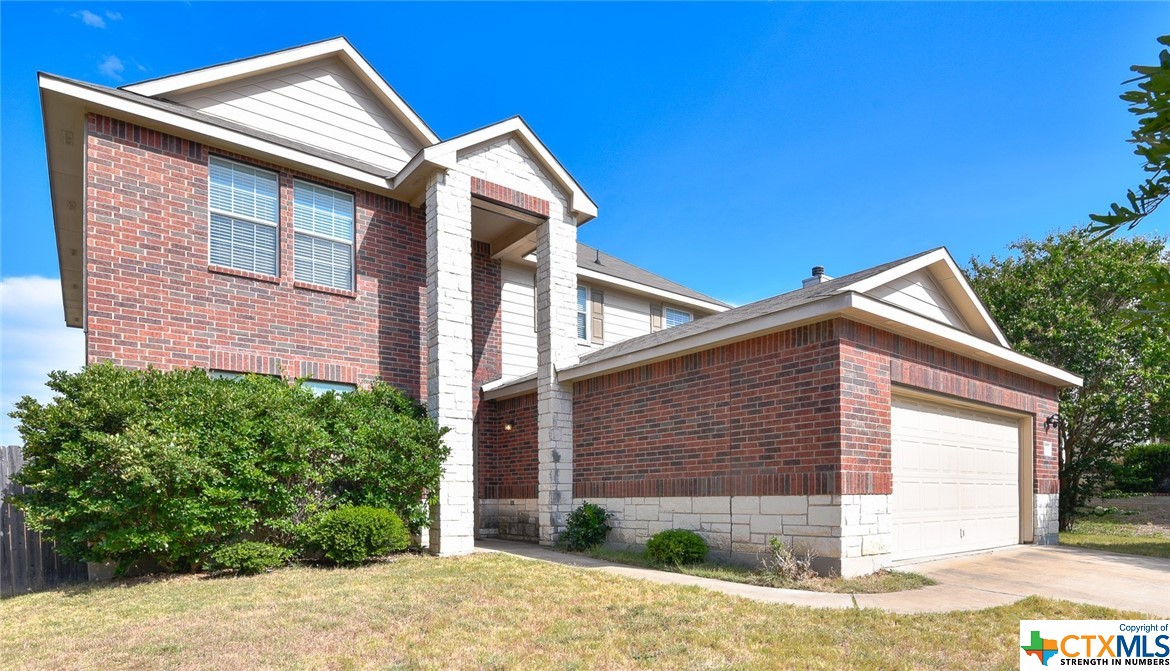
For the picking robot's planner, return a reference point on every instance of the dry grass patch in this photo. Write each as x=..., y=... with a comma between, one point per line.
x=1139, y=525
x=875, y=583
x=485, y=611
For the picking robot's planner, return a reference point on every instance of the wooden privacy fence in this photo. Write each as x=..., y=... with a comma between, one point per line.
x=27, y=563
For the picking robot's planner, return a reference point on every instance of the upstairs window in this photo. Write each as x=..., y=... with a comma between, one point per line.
x=323, y=221
x=244, y=204
x=583, y=313
x=674, y=316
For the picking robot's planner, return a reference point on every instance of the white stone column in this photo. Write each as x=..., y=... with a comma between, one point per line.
x=449, y=383
x=556, y=341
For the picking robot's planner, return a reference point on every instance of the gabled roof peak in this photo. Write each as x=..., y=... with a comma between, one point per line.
x=336, y=47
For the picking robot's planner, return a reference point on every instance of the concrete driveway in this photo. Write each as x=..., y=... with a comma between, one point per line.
x=1119, y=581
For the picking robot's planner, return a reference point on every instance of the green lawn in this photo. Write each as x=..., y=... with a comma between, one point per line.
x=876, y=583
x=484, y=611
x=1116, y=534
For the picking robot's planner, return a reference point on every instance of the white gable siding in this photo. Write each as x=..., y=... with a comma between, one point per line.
x=919, y=293
x=627, y=316
x=318, y=103
x=517, y=315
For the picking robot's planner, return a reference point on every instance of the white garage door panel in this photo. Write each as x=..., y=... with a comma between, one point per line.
x=956, y=479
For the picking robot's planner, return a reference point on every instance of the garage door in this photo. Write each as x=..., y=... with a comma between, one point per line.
x=956, y=479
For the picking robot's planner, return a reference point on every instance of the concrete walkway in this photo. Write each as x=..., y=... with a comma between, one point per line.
x=965, y=583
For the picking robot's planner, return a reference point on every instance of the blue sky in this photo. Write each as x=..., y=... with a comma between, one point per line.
x=729, y=147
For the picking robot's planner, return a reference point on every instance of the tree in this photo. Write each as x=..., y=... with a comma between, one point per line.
x=1063, y=300
x=1150, y=101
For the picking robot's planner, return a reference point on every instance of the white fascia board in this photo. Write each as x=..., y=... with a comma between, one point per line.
x=238, y=69
x=501, y=389
x=104, y=102
x=665, y=295
x=904, y=322
x=705, y=340
x=247, y=67
x=66, y=169
x=894, y=273
x=446, y=153
x=375, y=80
x=961, y=279
x=849, y=305
x=937, y=256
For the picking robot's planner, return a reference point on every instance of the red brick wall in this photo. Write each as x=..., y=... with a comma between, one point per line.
x=507, y=460
x=804, y=411
x=486, y=326
x=877, y=359
x=757, y=417
x=152, y=299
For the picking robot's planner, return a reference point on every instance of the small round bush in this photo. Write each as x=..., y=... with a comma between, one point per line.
x=586, y=527
x=676, y=546
x=350, y=535
x=250, y=557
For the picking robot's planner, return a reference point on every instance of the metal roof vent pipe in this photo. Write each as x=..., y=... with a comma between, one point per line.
x=818, y=276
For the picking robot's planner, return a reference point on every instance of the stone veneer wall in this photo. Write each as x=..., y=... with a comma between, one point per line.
x=1046, y=519
x=510, y=519
x=784, y=435
x=847, y=534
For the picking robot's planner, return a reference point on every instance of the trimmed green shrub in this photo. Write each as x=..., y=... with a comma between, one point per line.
x=1145, y=469
x=250, y=557
x=386, y=452
x=170, y=466
x=353, y=534
x=586, y=527
x=676, y=546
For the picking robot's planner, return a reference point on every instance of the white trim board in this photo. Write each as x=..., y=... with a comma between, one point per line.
x=445, y=155
x=950, y=280
x=850, y=305
x=101, y=102
x=339, y=46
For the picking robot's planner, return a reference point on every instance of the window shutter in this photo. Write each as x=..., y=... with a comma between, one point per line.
x=655, y=317
x=597, y=315
x=535, y=306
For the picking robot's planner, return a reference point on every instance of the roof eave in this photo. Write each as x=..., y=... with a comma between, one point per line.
x=242, y=68
x=940, y=260
x=849, y=305
x=64, y=130
x=96, y=100
x=444, y=155
x=599, y=277
x=509, y=388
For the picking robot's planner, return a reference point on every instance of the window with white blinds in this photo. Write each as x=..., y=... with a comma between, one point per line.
x=323, y=221
x=244, y=204
x=583, y=313
x=674, y=316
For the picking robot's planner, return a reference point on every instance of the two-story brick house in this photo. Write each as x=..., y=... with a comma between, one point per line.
x=290, y=214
